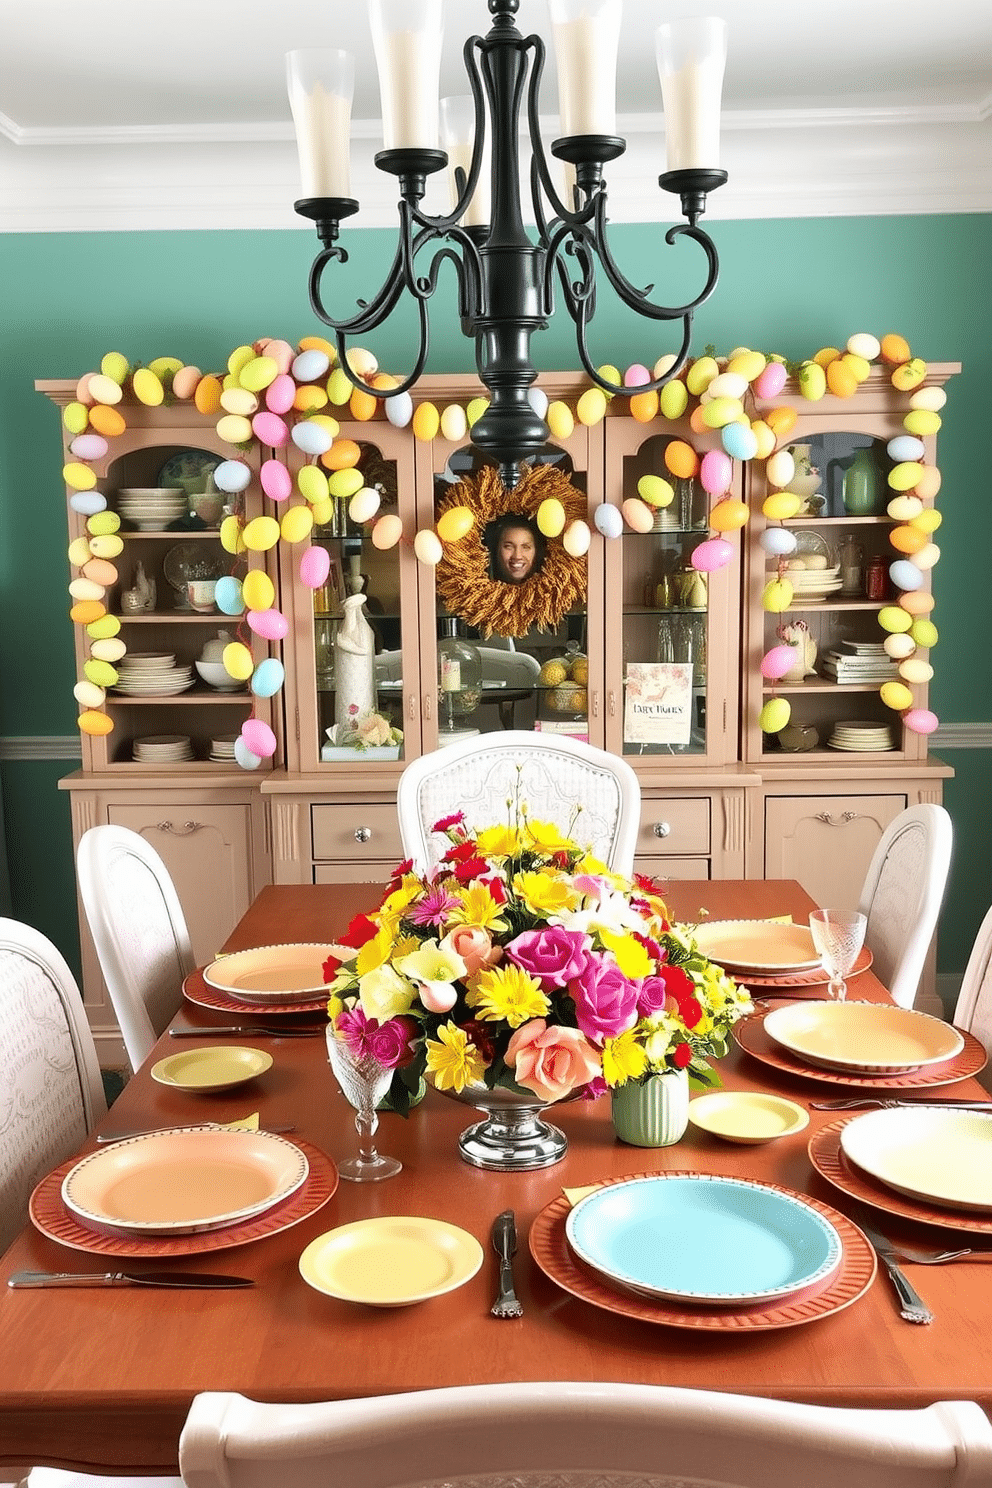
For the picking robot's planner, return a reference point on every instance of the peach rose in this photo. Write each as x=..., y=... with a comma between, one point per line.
x=474, y=945
x=551, y=1061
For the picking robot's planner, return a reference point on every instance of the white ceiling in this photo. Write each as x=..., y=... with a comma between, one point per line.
x=118, y=114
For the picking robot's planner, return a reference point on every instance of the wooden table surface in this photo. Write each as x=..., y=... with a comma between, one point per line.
x=103, y=1380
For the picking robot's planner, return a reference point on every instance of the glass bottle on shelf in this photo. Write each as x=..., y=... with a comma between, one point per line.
x=852, y=558
x=459, y=677
x=666, y=642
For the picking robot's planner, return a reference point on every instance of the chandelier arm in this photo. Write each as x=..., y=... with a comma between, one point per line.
x=539, y=170
x=637, y=299
x=340, y=338
x=372, y=312
x=577, y=240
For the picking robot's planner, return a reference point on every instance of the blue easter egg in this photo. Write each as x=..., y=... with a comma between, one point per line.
x=269, y=676
x=228, y=597
x=232, y=475
x=608, y=520
x=88, y=503
x=244, y=756
x=905, y=447
x=311, y=438
x=310, y=365
x=739, y=441
x=778, y=541
x=905, y=575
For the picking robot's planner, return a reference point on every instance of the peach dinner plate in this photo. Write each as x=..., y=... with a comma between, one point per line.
x=757, y=945
x=934, y=1153
x=271, y=972
x=182, y=1181
x=865, y=1037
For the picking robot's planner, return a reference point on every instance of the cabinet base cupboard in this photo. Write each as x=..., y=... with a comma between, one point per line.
x=720, y=799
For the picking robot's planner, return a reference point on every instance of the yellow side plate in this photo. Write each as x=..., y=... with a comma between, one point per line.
x=391, y=1261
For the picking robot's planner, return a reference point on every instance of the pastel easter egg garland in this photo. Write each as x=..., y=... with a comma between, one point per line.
x=273, y=395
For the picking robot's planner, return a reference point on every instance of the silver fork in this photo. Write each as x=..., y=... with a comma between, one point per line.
x=940, y=1257
x=505, y=1245
x=858, y=1102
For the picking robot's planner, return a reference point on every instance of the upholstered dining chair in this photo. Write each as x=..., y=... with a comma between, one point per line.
x=973, y=1011
x=537, y=1435
x=584, y=791
x=902, y=894
x=139, y=931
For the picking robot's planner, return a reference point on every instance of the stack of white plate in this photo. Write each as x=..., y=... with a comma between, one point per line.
x=151, y=508
x=150, y=675
x=163, y=749
x=813, y=583
x=222, y=748
x=862, y=738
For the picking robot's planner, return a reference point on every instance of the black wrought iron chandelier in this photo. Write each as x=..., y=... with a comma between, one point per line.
x=506, y=279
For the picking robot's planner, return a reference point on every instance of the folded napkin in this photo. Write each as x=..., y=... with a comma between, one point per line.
x=247, y=1123
x=573, y=1195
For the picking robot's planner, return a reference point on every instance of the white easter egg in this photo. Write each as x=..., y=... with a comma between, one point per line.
x=364, y=504
x=111, y=649
x=778, y=541
x=899, y=645
x=89, y=695
x=86, y=589
x=88, y=447
x=310, y=437
x=576, y=539
x=905, y=575
x=780, y=469
x=88, y=503
x=608, y=520
x=399, y=410
x=538, y=400
x=427, y=546
x=232, y=475
x=310, y=365
x=454, y=423
x=905, y=447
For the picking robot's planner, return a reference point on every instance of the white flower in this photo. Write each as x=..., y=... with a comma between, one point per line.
x=435, y=969
x=384, y=994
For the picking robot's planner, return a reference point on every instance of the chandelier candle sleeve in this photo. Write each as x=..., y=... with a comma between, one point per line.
x=321, y=87
x=457, y=131
x=586, y=35
x=691, y=57
x=407, y=37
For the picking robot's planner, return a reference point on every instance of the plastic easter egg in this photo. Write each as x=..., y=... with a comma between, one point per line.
x=921, y=421
x=915, y=670
x=280, y=395
x=776, y=662
x=323, y=512
x=774, y=715
x=104, y=628
x=84, y=589
x=270, y=429
x=608, y=520
x=905, y=575
x=76, y=417
x=729, y=515
x=673, y=399
x=905, y=447
x=742, y=442
x=454, y=423
x=339, y=387
x=233, y=428
x=771, y=381
x=456, y=523
x=88, y=447
x=100, y=672
x=780, y=469
x=638, y=516
x=271, y=625
x=297, y=524
x=427, y=547
x=893, y=618
x=864, y=345
x=206, y=395
x=311, y=437
x=344, y=483
x=904, y=508
x=781, y=505
x=917, y=602
x=681, y=459
x=747, y=364
x=259, y=373
x=278, y=350
x=261, y=534
x=231, y=535
x=79, y=551
x=920, y=721
x=841, y=380
x=96, y=724
x=232, y=476
x=538, y=400
x=268, y=677
x=899, y=645
x=762, y=433
x=100, y=571
x=103, y=524
x=106, y=545
x=644, y=406
x=781, y=420
x=722, y=411
x=257, y=589
x=111, y=649
x=88, y=695
x=929, y=483
x=104, y=389
x=702, y=372
x=715, y=472
x=148, y=387
x=426, y=421
x=908, y=375
x=924, y=633
x=931, y=398
x=399, y=410
x=475, y=408
x=778, y=541
x=79, y=476
x=227, y=595
x=88, y=503
x=362, y=405
x=927, y=557
x=591, y=407
x=927, y=520
x=239, y=401
x=896, y=695
x=777, y=596
x=85, y=611
x=655, y=490
x=559, y=419
x=364, y=504
x=315, y=565
x=711, y=555
x=551, y=516
x=275, y=480
x=312, y=483
x=311, y=365
x=258, y=737
x=387, y=532
x=185, y=382
x=238, y=661
x=905, y=476
x=858, y=366
x=576, y=538
x=636, y=375
x=727, y=385
x=244, y=757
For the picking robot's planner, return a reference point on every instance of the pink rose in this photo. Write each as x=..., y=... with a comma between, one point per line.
x=605, y=1001
x=392, y=1043
x=552, y=955
x=474, y=945
x=551, y=1061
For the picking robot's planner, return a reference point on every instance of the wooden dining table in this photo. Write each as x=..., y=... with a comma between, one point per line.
x=103, y=1379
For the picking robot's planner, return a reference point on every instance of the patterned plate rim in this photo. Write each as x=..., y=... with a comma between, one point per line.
x=816, y=978
x=196, y=990
x=750, y=1035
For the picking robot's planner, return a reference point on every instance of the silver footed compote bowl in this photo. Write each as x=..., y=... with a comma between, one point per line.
x=838, y=935
x=513, y=1138
x=364, y=1082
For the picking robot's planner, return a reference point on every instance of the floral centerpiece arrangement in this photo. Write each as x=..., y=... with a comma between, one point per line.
x=520, y=961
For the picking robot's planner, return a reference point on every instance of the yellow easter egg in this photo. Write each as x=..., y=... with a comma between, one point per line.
x=384, y=383
x=238, y=661
x=559, y=419
x=921, y=422
x=106, y=545
x=261, y=534
x=115, y=365
x=387, y=532
x=240, y=357
x=729, y=515
x=79, y=552
x=426, y=421
x=454, y=424
x=83, y=589
x=100, y=524
x=916, y=602
x=747, y=364
x=841, y=380
x=323, y=512
x=591, y=407
x=655, y=490
x=309, y=397
x=916, y=671
x=907, y=539
x=206, y=397
x=257, y=589
x=75, y=417
x=905, y=475
x=344, y=483
x=896, y=695
x=104, y=628
x=720, y=412
x=812, y=381
x=927, y=520
x=475, y=409
x=781, y=505
x=364, y=504
x=100, y=672
x=427, y=547
x=899, y=645
x=924, y=633
x=231, y=536
x=234, y=428
x=639, y=518
x=765, y=436
x=774, y=715
x=551, y=517
x=111, y=649
x=259, y=373
x=701, y=374
x=79, y=477
x=324, y=421
x=96, y=724
x=147, y=387
x=859, y=366
x=894, y=618
x=777, y=596
x=239, y=400
x=104, y=389
x=909, y=375
x=609, y=373
x=904, y=508
x=318, y=343
x=673, y=400
x=165, y=367
x=311, y=482
x=781, y=420
x=362, y=406
x=455, y=523
x=89, y=695
x=339, y=387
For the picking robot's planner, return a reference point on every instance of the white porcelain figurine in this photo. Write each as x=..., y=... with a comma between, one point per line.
x=354, y=667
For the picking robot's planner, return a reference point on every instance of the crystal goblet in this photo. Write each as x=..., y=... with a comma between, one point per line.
x=838, y=935
x=364, y=1082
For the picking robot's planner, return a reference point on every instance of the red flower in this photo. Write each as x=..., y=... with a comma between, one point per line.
x=460, y=852
x=359, y=931
x=330, y=968
x=481, y=1035
x=497, y=889
x=682, y=1056
x=471, y=869
x=402, y=869
x=446, y=822
x=690, y=1011
x=677, y=982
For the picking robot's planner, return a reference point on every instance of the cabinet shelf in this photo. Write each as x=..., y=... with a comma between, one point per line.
x=824, y=685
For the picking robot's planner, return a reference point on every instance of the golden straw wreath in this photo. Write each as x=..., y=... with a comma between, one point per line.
x=464, y=580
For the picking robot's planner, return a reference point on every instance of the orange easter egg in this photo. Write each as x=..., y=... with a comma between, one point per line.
x=681, y=459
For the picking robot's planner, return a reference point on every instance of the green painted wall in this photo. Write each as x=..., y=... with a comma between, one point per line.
x=786, y=286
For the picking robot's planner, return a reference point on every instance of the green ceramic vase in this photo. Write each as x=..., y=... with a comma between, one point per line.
x=653, y=1112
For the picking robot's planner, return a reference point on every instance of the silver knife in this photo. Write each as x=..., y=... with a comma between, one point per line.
x=182, y=1279
x=911, y=1305
x=258, y=1031
x=505, y=1245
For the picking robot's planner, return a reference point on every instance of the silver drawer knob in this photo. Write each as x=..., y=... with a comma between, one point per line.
x=363, y=834
x=662, y=829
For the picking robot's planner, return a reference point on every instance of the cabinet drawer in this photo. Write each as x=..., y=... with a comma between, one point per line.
x=674, y=826
x=669, y=868
x=356, y=832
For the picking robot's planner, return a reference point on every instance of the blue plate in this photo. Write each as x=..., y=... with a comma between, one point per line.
x=702, y=1238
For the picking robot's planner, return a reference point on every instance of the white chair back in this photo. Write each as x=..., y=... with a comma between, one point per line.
x=570, y=1435
x=974, y=1006
x=139, y=931
x=592, y=795
x=902, y=894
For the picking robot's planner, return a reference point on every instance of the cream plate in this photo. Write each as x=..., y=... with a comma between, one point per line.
x=268, y=972
x=866, y=1037
x=747, y=1116
x=757, y=945
x=937, y=1154
x=211, y=1069
x=183, y=1181
x=390, y=1262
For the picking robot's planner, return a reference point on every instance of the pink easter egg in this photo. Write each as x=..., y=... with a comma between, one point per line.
x=271, y=625
x=776, y=662
x=715, y=472
x=636, y=375
x=315, y=565
x=712, y=554
x=258, y=737
x=280, y=393
x=280, y=351
x=920, y=721
x=88, y=447
x=275, y=479
x=770, y=382
x=270, y=429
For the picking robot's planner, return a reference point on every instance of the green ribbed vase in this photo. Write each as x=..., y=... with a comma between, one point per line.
x=653, y=1112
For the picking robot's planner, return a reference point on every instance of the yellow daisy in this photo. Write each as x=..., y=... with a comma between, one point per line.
x=623, y=1059
x=375, y=952
x=631, y=957
x=547, y=837
x=545, y=893
x=498, y=842
x=476, y=906
x=506, y=992
x=453, y=1062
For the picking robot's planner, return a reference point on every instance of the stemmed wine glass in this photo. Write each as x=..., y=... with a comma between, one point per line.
x=364, y=1082
x=838, y=935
